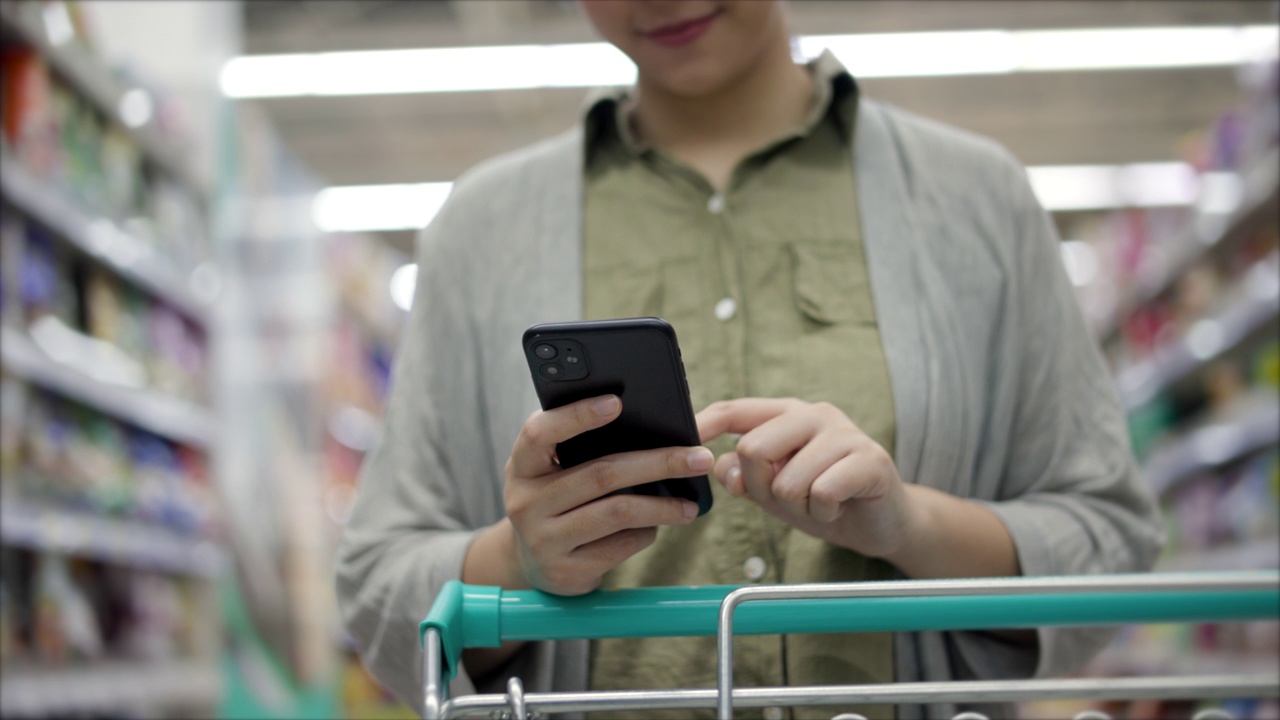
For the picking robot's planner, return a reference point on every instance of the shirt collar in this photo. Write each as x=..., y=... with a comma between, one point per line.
x=608, y=110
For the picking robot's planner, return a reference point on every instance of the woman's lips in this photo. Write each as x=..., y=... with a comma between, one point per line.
x=682, y=33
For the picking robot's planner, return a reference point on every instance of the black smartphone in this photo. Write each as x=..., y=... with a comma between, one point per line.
x=637, y=359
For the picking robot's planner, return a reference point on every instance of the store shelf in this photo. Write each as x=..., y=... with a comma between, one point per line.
x=89, y=76
x=1256, y=427
x=100, y=238
x=1260, y=197
x=164, y=415
x=1171, y=661
x=1257, y=303
x=112, y=540
x=1256, y=555
x=115, y=685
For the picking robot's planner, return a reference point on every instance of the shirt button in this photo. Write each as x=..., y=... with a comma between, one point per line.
x=773, y=713
x=725, y=309
x=715, y=205
x=754, y=567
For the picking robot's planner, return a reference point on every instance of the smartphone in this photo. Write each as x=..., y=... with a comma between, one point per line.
x=637, y=359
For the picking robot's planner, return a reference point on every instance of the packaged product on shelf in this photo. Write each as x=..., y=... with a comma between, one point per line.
x=199, y=491
x=178, y=222
x=11, y=242
x=50, y=638
x=111, y=484
x=45, y=289
x=190, y=355
x=103, y=303
x=155, y=610
x=1265, y=368
x=7, y=629
x=47, y=432
x=17, y=568
x=82, y=147
x=13, y=412
x=28, y=124
x=121, y=165
x=148, y=454
x=131, y=334
x=165, y=335
x=79, y=623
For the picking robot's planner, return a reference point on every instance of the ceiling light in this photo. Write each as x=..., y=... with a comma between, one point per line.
x=1095, y=187
x=378, y=207
x=866, y=55
x=355, y=208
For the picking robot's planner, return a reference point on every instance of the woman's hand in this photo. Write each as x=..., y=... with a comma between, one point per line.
x=565, y=530
x=809, y=465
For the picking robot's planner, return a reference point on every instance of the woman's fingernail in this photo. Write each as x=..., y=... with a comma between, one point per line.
x=605, y=406
x=690, y=511
x=732, y=479
x=701, y=460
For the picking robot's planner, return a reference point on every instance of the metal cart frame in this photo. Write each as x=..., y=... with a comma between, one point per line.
x=466, y=616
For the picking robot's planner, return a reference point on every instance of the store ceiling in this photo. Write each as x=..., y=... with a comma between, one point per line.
x=1044, y=118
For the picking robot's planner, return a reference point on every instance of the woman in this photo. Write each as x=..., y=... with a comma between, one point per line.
x=895, y=376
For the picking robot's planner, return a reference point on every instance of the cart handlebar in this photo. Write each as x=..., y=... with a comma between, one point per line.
x=467, y=616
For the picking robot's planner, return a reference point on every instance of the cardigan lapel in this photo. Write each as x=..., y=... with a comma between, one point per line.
x=891, y=238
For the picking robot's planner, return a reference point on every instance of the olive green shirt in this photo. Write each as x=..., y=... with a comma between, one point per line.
x=766, y=285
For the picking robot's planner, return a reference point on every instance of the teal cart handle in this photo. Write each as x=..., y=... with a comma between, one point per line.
x=469, y=616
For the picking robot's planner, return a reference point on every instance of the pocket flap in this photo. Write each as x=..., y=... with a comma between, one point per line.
x=831, y=284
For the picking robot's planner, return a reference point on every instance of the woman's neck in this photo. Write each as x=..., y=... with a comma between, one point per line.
x=714, y=131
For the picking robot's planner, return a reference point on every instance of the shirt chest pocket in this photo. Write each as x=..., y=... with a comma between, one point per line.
x=830, y=286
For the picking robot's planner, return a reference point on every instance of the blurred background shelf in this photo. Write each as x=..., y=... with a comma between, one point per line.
x=1254, y=425
x=103, y=240
x=1256, y=305
x=75, y=378
x=1207, y=233
x=117, y=687
x=111, y=540
x=47, y=27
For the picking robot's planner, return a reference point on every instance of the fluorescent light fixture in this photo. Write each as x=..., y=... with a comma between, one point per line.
x=404, y=281
x=1220, y=193
x=378, y=207
x=973, y=52
x=1094, y=187
x=976, y=52
x=355, y=208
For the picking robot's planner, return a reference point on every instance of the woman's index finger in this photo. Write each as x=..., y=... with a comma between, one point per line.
x=738, y=416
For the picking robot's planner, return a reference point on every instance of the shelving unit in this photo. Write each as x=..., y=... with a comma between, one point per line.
x=1191, y=326
x=28, y=23
x=82, y=288
x=120, y=684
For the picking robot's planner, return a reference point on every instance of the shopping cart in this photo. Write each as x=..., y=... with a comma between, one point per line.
x=466, y=616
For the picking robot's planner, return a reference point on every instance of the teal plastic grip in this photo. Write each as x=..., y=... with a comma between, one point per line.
x=482, y=616
x=467, y=616
x=670, y=612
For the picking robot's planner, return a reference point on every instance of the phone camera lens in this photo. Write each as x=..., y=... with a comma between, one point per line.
x=544, y=351
x=551, y=371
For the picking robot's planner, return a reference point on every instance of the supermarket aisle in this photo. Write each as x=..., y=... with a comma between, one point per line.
x=196, y=335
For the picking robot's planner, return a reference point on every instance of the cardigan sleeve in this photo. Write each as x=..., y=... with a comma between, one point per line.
x=1071, y=495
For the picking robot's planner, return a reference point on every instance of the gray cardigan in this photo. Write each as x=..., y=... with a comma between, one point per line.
x=1000, y=392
